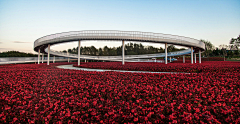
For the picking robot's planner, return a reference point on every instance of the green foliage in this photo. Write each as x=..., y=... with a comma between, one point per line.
x=208, y=48
x=16, y=54
x=138, y=49
x=130, y=49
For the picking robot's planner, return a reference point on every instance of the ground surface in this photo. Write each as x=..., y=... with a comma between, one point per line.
x=41, y=94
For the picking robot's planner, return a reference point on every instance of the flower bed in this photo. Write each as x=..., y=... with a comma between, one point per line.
x=32, y=93
x=180, y=59
x=210, y=66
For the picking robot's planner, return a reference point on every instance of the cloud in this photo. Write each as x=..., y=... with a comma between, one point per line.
x=19, y=42
x=4, y=49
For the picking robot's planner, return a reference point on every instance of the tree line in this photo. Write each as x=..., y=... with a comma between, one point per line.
x=138, y=49
x=16, y=54
x=231, y=50
x=130, y=49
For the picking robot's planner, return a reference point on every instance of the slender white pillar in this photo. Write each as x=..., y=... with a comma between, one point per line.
x=195, y=57
x=123, y=46
x=191, y=55
x=199, y=56
x=68, y=55
x=183, y=58
x=85, y=60
x=165, y=53
x=48, y=54
x=38, y=56
x=79, y=45
x=53, y=59
x=42, y=57
x=170, y=59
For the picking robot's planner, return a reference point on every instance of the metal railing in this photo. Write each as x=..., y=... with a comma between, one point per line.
x=118, y=35
x=12, y=60
x=119, y=58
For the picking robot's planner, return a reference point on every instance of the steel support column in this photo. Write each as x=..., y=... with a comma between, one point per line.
x=68, y=55
x=123, y=48
x=53, y=59
x=183, y=58
x=165, y=53
x=38, y=56
x=79, y=45
x=48, y=54
x=195, y=57
x=170, y=59
x=42, y=57
x=191, y=55
x=199, y=56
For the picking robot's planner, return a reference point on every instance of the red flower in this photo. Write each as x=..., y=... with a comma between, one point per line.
x=135, y=119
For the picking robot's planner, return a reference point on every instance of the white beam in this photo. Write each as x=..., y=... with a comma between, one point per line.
x=38, y=56
x=79, y=45
x=48, y=54
x=165, y=53
x=199, y=56
x=68, y=55
x=191, y=55
x=123, y=47
x=53, y=59
x=42, y=57
x=183, y=58
x=195, y=57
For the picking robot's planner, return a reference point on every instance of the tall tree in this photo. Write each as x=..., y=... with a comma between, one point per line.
x=235, y=42
x=171, y=48
x=105, y=51
x=208, y=48
x=100, y=52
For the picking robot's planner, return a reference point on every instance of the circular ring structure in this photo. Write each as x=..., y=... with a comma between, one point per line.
x=114, y=35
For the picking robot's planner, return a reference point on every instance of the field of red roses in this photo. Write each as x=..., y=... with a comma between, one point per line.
x=32, y=93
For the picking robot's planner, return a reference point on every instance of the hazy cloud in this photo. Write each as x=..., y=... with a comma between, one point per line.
x=3, y=49
x=19, y=42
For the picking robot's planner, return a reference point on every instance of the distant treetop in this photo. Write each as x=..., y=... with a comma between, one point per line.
x=16, y=54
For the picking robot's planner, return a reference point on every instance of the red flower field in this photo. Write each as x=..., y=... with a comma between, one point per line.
x=32, y=93
x=205, y=67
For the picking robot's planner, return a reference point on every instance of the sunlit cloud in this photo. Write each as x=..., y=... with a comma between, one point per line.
x=20, y=42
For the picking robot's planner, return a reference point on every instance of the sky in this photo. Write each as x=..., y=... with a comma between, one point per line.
x=24, y=21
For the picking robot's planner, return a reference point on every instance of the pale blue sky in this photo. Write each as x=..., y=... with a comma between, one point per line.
x=24, y=21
